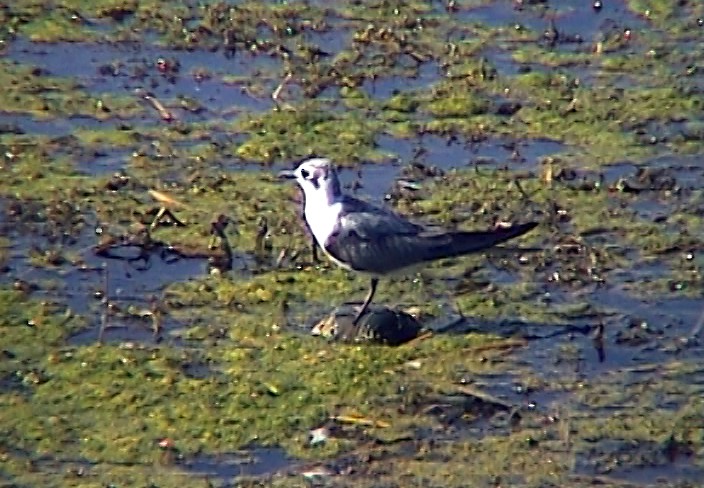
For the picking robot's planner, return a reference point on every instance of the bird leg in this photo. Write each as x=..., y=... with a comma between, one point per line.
x=368, y=300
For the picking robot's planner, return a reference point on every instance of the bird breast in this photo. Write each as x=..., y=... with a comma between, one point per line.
x=323, y=220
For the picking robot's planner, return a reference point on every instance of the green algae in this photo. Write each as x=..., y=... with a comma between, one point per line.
x=674, y=17
x=457, y=105
x=289, y=134
x=534, y=54
x=266, y=382
x=145, y=396
x=31, y=177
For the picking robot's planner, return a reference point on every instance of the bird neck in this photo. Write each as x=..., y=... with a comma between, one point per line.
x=323, y=209
x=326, y=195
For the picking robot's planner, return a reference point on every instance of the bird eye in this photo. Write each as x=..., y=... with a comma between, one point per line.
x=305, y=174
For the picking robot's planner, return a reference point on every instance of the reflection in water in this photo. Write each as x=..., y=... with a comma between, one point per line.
x=258, y=461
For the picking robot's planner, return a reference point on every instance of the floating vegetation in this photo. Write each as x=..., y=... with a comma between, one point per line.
x=158, y=287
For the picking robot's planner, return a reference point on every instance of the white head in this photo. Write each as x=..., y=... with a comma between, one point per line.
x=318, y=180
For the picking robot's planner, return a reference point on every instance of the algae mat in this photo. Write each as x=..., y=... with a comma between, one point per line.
x=158, y=288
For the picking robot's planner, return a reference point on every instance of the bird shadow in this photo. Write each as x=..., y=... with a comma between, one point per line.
x=517, y=329
x=395, y=327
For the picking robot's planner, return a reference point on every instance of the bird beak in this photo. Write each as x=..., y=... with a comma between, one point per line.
x=287, y=174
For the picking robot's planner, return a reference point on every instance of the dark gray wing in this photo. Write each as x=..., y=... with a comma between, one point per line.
x=370, y=221
x=373, y=239
x=378, y=241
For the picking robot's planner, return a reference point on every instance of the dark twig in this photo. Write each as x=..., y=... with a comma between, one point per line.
x=105, y=302
x=217, y=233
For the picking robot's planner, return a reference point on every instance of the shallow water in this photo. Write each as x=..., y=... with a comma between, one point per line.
x=593, y=339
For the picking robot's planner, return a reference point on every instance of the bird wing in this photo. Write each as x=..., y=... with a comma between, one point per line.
x=375, y=240
x=371, y=221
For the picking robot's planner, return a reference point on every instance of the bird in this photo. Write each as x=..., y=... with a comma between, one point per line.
x=375, y=241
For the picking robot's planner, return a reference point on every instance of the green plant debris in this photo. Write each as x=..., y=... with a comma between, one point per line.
x=587, y=331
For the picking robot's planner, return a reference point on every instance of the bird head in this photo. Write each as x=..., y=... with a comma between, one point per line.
x=317, y=178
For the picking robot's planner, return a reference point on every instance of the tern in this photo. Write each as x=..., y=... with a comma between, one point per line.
x=375, y=241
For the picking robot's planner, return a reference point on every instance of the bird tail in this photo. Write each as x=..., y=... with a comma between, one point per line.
x=467, y=242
